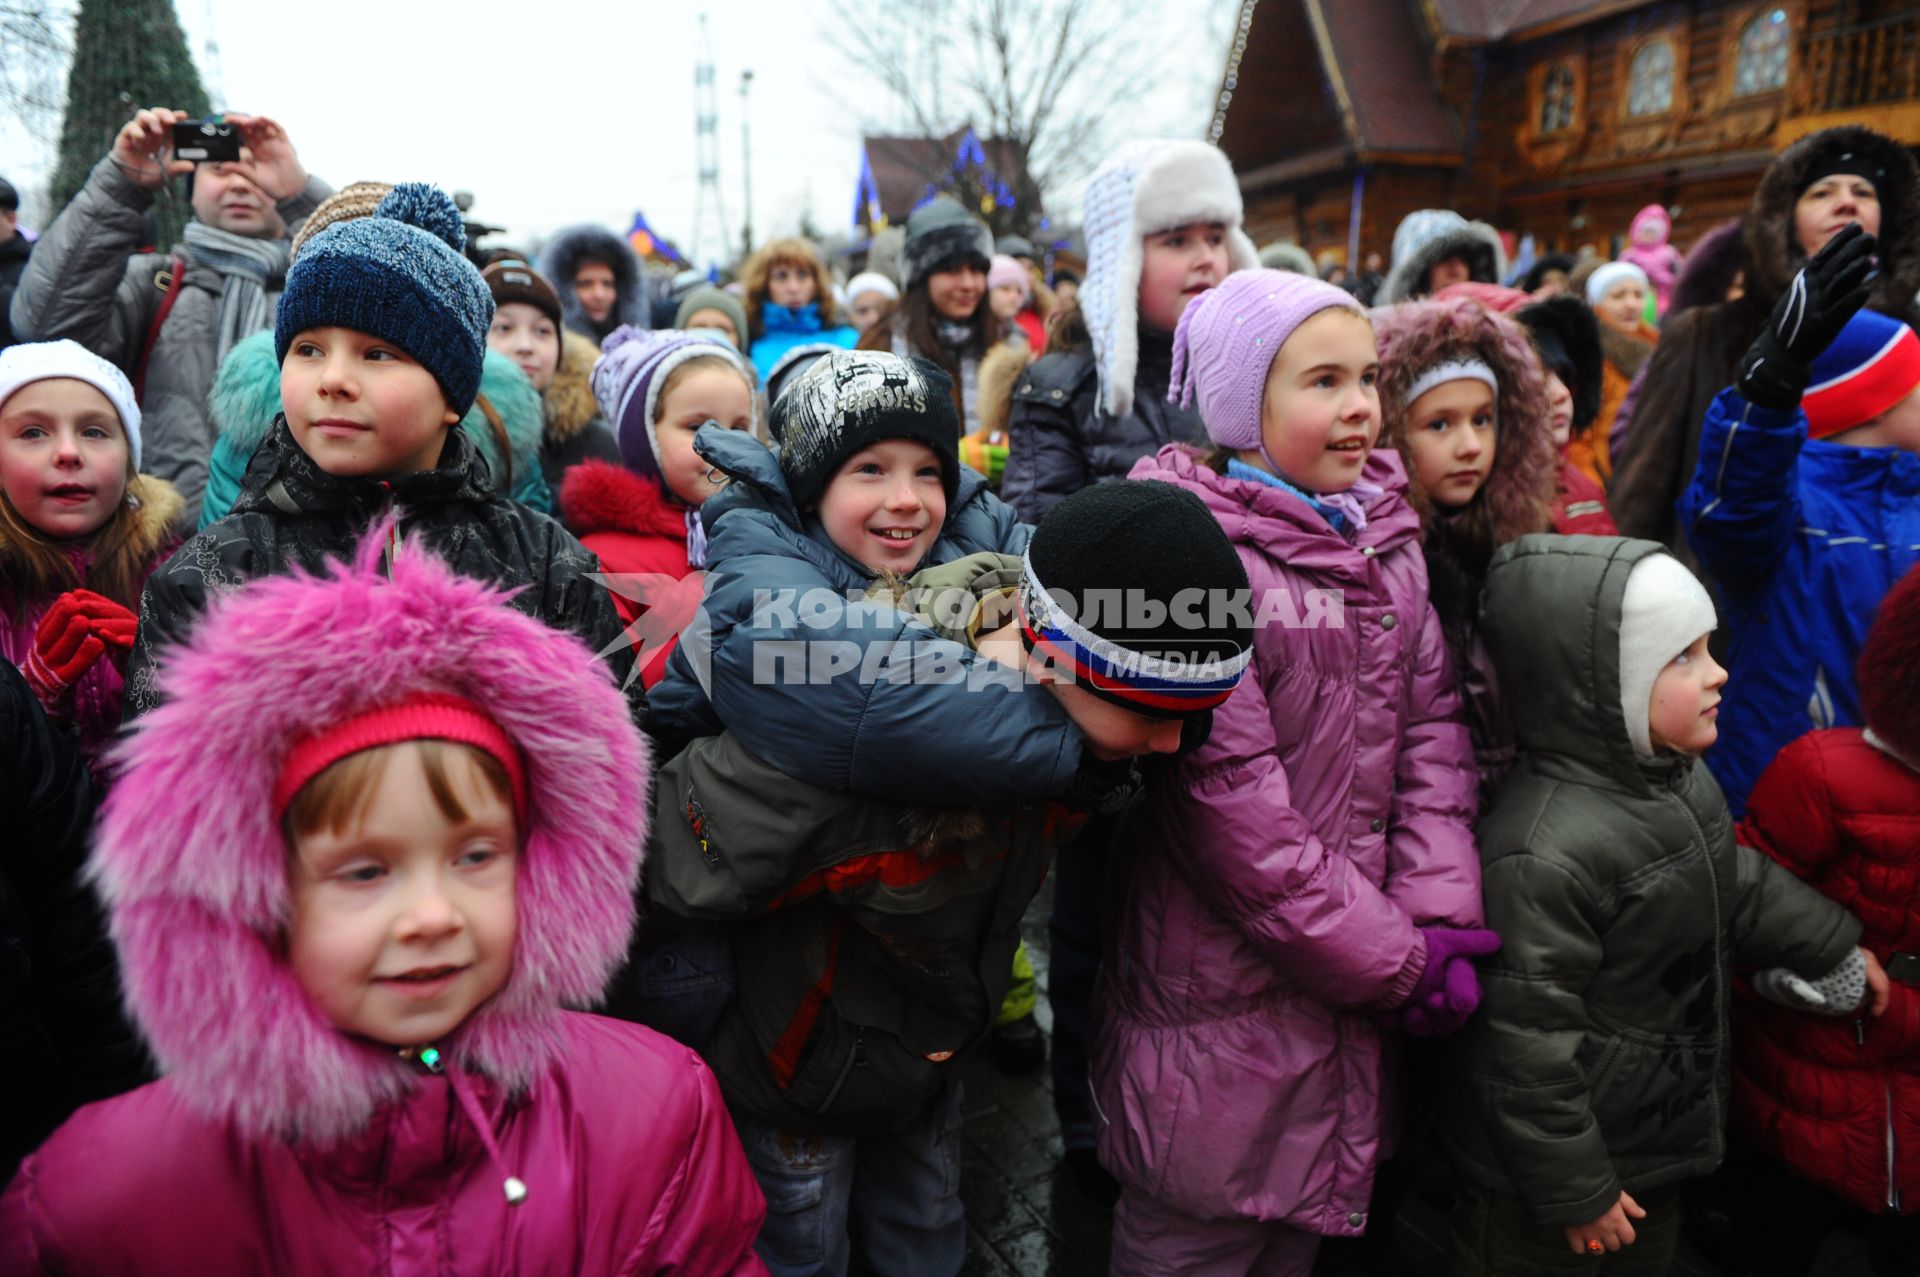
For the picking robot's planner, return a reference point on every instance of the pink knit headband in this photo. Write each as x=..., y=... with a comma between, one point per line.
x=428, y=716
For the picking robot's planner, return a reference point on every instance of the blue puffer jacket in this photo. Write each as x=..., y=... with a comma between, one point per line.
x=783, y=327
x=776, y=583
x=1802, y=540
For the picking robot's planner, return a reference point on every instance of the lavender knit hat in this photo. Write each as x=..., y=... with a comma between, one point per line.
x=633, y=366
x=1227, y=340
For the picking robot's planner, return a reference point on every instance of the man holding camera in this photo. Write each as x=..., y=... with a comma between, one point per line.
x=169, y=318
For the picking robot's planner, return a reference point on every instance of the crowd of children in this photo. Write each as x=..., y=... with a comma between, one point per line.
x=563, y=797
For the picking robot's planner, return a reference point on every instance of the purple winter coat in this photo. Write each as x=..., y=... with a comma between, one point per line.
x=1240, y=1067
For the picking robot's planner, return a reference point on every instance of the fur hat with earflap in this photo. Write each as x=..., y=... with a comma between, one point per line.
x=190, y=858
x=1143, y=188
x=1890, y=672
x=1567, y=337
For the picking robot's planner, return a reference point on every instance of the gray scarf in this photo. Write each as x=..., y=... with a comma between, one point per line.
x=248, y=268
x=954, y=337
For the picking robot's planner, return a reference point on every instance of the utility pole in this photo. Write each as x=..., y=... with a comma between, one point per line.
x=710, y=213
x=746, y=164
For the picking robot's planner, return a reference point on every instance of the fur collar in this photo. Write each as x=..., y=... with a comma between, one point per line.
x=570, y=405
x=598, y=496
x=191, y=863
x=1769, y=223
x=1627, y=353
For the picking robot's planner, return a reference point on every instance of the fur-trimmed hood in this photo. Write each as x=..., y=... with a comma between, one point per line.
x=1144, y=187
x=562, y=257
x=1775, y=258
x=1000, y=371
x=569, y=402
x=1287, y=255
x=1430, y=236
x=245, y=399
x=1415, y=336
x=598, y=496
x=192, y=864
x=1569, y=324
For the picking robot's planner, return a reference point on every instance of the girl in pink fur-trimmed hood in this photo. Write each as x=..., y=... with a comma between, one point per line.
x=381, y=829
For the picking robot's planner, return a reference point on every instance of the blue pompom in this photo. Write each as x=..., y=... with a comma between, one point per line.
x=428, y=207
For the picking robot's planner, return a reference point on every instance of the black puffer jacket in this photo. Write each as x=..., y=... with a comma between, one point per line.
x=292, y=513
x=1598, y=1058
x=1060, y=440
x=13, y=264
x=63, y=1039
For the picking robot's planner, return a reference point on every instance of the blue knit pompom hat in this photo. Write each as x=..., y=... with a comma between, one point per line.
x=399, y=275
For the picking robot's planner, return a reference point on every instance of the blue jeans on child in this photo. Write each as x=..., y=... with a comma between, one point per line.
x=895, y=1196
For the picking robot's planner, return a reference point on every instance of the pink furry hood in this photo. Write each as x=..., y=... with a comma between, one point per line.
x=191, y=862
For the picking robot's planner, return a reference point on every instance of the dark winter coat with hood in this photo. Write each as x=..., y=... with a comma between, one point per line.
x=291, y=513
x=87, y=281
x=1062, y=439
x=63, y=1039
x=1699, y=351
x=13, y=264
x=1598, y=1060
x=562, y=257
x=782, y=599
x=575, y=430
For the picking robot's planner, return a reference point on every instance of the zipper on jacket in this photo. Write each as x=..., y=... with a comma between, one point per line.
x=1717, y=1141
x=1893, y=1184
x=393, y=530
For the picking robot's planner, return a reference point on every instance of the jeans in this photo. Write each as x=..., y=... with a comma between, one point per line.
x=1495, y=1235
x=895, y=1197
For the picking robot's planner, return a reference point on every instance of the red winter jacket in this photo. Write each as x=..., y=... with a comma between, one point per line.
x=629, y=522
x=1580, y=507
x=1829, y=1097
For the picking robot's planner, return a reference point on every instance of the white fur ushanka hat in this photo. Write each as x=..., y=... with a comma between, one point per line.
x=1143, y=188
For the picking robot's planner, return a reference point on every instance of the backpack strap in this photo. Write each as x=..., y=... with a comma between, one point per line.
x=175, y=273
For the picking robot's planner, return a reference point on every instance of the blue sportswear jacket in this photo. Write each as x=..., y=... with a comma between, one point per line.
x=1801, y=539
x=784, y=327
x=777, y=584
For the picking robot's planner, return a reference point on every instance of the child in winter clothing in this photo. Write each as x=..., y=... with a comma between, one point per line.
x=598, y=280
x=715, y=308
x=1835, y=1104
x=869, y=294
x=504, y=425
x=1567, y=339
x=1163, y=224
x=527, y=328
x=80, y=531
x=875, y=942
x=1596, y=1069
x=1434, y=247
x=944, y=316
x=352, y=882
x=1648, y=249
x=1805, y=506
x=1010, y=293
x=1306, y=883
x=1464, y=402
x=643, y=517
x=1617, y=292
x=790, y=302
x=382, y=340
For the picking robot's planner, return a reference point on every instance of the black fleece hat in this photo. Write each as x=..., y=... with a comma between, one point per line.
x=1135, y=588
x=943, y=235
x=1567, y=336
x=853, y=399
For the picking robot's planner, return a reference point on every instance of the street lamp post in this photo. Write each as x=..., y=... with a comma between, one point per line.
x=746, y=164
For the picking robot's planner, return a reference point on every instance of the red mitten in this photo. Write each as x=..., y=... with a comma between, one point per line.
x=111, y=623
x=64, y=648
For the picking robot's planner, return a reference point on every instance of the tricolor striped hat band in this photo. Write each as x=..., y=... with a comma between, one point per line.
x=1872, y=365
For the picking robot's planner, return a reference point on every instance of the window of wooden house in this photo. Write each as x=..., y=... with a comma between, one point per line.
x=1650, y=79
x=1558, y=94
x=1760, y=61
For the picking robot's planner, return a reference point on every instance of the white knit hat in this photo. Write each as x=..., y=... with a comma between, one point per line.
x=41, y=360
x=1664, y=610
x=1146, y=187
x=1606, y=278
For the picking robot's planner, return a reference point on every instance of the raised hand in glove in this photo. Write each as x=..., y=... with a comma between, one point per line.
x=1810, y=314
x=77, y=630
x=1448, y=990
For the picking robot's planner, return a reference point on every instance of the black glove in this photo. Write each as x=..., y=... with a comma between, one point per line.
x=1810, y=314
x=1103, y=788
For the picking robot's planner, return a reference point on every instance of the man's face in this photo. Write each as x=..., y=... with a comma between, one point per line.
x=9, y=224
x=593, y=288
x=227, y=198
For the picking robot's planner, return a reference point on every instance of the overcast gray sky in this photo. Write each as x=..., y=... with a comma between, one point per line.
x=560, y=111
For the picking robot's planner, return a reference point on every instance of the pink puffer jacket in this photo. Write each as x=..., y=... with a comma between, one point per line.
x=1240, y=1064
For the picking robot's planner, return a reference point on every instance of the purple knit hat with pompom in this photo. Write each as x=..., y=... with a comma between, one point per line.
x=1226, y=342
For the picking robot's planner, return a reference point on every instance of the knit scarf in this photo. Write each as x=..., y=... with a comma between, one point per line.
x=1341, y=510
x=955, y=338
x=247, y=269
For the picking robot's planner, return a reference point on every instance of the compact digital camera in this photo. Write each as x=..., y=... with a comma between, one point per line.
x=206, y=141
